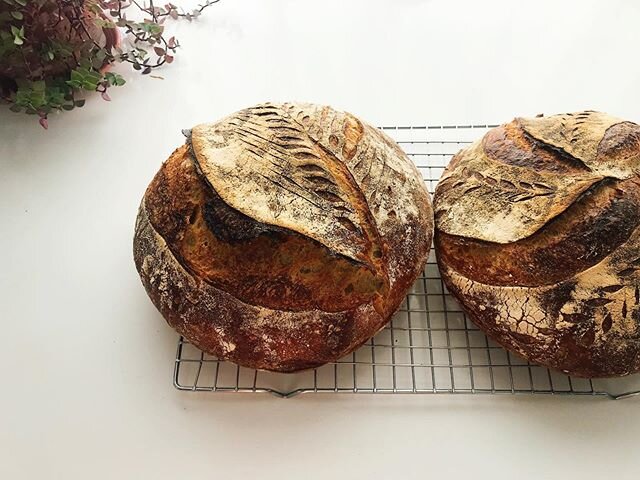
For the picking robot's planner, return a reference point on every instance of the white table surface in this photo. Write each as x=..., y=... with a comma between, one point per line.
x=86, y=361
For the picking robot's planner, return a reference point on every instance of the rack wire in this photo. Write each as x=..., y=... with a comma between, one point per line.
x=430, y=346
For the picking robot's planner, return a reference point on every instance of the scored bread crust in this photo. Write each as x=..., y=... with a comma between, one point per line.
x=538, y=236
x=334, y=216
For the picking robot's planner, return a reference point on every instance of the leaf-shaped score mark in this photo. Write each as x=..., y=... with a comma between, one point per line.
x=276, y=173
x=598, y=302
x=328, y=196
x=631, y=268
x=516, y=201
x=628, y=271
x=612, y=288
x=516, y=191
x=513, y=190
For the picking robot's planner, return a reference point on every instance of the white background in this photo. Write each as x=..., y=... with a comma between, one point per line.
x=86, y=361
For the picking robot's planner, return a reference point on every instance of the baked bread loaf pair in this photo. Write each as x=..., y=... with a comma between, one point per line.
x=537, y=235
x=284, y=236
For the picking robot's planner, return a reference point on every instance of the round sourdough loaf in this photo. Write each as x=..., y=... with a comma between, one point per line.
x=537, y=235
x=283, y=236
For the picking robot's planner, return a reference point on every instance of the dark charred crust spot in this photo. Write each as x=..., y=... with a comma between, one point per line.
x=557, y=298
x=230, y=225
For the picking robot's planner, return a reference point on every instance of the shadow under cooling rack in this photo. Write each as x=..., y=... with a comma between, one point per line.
x=429, y=347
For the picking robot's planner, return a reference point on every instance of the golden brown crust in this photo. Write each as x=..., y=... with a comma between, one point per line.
x=245, y=277
x=566, y=293
x=260, y=265
x=257, y=337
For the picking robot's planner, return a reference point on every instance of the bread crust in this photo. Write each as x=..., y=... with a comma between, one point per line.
x=284, y=236
x=538, y=236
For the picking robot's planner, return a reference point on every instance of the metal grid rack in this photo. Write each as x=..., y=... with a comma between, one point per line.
x=429, y=347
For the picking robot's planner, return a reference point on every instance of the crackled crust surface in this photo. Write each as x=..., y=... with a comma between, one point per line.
x=538, y=235
x=283, y=236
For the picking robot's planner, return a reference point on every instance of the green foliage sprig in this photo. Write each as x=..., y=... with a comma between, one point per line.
x=53, y=50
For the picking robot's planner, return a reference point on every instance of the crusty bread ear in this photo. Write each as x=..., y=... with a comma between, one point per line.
x=283, y=236
x=537, y=234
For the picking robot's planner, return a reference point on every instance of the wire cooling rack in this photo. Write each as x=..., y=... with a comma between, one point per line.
x=430, y=346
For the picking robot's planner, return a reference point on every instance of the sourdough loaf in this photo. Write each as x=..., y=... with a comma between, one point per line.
x=283, y=236
x=537, y=235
